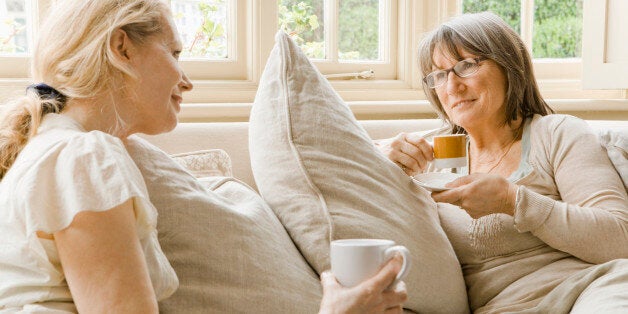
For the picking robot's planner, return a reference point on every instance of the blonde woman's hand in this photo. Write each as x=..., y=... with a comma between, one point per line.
x=370, y=296
x=480, y=194
x=408, y=150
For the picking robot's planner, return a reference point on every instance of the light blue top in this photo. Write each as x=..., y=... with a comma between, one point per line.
x=524, y=166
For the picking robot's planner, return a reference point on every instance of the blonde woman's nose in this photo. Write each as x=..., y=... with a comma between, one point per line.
x=186, y=84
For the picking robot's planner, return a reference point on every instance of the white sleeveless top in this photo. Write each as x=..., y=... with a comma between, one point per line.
x=61, y=172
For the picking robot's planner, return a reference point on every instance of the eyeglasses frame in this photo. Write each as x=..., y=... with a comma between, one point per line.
x=477, y=61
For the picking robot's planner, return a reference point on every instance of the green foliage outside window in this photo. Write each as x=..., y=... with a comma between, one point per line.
x=300, y=20
x=7, y=42
x=358, y=30
x=509, y=10
x=557, y=29
x=358, y=24
x=205, y=42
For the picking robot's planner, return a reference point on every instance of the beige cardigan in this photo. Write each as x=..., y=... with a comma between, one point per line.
x=571, y=212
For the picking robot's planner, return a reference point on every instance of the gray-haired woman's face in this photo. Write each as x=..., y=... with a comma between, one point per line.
x=475, y=101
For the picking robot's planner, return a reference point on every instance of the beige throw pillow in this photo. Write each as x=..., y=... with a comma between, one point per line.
x=616, y=144
x=206, y=163
x=319, y=171
x=230, y=252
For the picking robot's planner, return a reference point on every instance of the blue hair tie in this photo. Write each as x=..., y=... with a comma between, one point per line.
x=47, y=92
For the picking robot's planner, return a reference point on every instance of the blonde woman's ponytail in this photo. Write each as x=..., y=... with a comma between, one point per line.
x=21, y=120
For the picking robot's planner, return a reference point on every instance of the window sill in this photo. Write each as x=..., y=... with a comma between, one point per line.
x=609, y=109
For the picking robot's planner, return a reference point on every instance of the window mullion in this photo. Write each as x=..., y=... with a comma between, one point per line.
x=527, y=22
x=262, y=29
x=232, y=26
x=384, y=29
x=40, y=7
x=331, y=30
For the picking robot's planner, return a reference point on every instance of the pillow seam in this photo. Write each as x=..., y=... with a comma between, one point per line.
x=293, y=147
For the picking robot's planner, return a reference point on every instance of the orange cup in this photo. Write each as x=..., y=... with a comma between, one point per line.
x=450, y=151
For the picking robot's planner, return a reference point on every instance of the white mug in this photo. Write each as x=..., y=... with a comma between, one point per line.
x=355, y=260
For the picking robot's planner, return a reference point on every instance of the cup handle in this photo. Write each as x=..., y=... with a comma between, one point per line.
x=407, y=261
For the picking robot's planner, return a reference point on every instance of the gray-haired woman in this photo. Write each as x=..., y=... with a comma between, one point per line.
x=541, y=217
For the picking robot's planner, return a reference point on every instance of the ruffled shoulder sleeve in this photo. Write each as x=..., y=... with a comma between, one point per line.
x=90, y=171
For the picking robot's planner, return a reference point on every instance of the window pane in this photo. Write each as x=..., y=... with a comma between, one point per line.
x=14, y=27
x=303, y=21
x=557, y=29
x=509, y=10
x=202, y=25
x=358, y=30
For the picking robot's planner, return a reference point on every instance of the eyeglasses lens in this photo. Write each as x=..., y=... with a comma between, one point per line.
x=463, y=68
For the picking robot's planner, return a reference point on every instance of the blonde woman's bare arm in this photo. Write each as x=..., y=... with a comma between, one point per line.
x=104, y=264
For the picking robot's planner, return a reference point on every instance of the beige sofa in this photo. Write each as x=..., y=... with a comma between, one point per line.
x=224, y=255
x=232, y=137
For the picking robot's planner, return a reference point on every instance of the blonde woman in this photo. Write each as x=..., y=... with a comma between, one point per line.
x=77, y=229
x=70, y=193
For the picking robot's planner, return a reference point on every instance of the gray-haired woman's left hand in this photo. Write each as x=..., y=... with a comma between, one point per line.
x=480, y=194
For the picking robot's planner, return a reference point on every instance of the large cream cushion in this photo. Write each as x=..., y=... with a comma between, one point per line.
x=319, y=171
x=230, y=252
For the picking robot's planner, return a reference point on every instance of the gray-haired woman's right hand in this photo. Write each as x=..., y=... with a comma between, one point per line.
x=408, y=150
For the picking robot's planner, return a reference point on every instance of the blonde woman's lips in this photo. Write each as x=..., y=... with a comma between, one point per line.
x=177, y=102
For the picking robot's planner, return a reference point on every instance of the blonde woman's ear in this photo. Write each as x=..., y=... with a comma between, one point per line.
x=121, y=45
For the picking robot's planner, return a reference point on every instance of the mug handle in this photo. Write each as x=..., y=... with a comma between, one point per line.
x=407, y=262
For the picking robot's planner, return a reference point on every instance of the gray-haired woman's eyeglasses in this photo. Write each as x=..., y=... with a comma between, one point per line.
x=464, y=68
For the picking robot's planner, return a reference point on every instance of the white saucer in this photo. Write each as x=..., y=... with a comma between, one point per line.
x=435, y=181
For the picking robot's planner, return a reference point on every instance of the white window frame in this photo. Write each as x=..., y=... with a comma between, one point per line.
x=557, y=78
x=15, y=70
x=391, y=74
x=384, y=68
x=18, y=66
x=225, y=90
x=234, y=67
x=604, y=48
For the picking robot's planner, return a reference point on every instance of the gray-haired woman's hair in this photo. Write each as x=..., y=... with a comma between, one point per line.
x=73, y=56
x=487, y=35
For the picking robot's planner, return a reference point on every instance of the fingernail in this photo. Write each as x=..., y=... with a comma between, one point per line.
x=401, y=285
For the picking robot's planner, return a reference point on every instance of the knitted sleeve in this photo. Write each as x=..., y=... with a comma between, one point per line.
x=583, y=207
